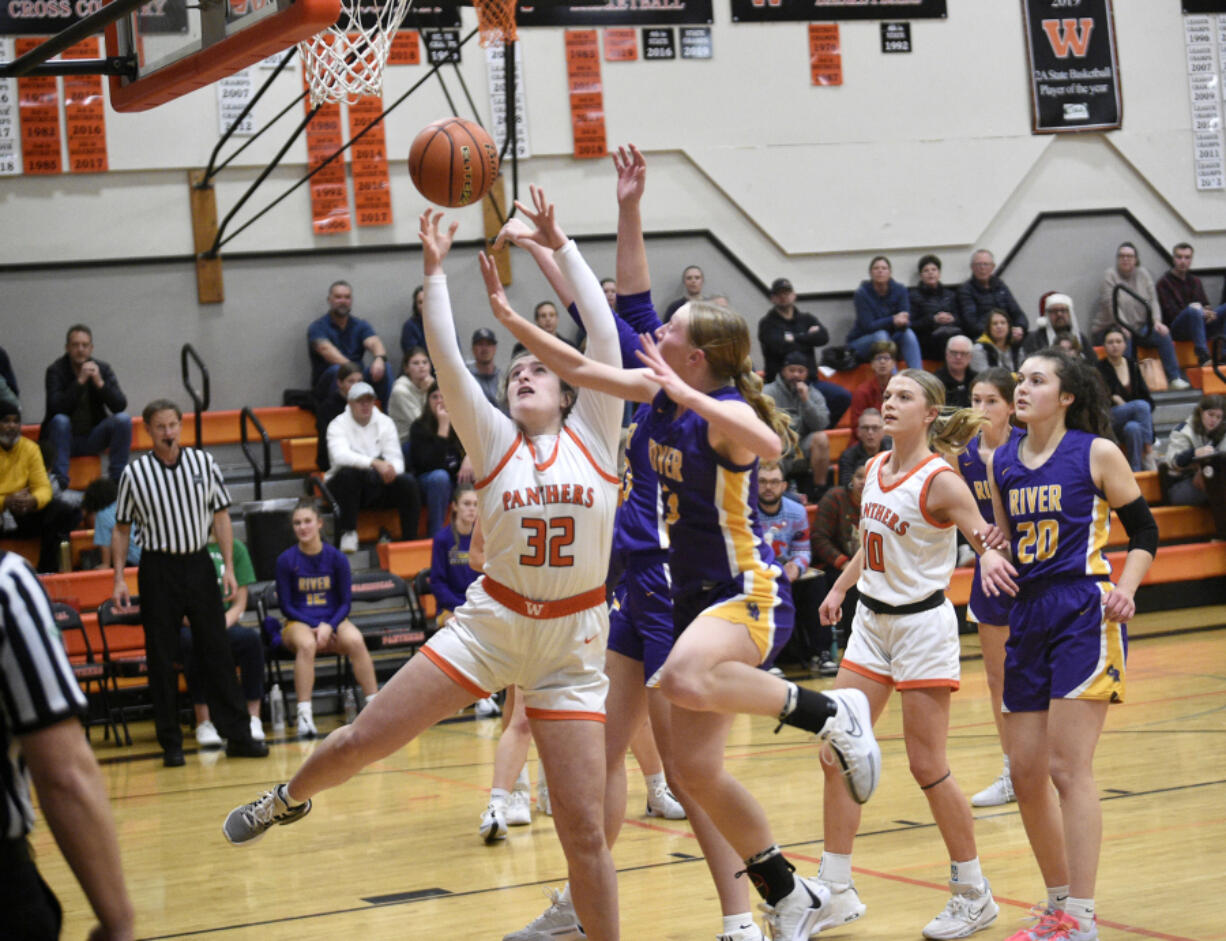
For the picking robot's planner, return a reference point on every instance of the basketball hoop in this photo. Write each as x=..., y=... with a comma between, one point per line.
x=347, y=59
x=495, y=20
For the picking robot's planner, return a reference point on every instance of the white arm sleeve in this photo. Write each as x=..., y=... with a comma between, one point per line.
x=598, y=414
x=485, y=432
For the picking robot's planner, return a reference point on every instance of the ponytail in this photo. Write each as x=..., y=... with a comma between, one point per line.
x=953, y=429
x=1091, y=400
x=749, y=384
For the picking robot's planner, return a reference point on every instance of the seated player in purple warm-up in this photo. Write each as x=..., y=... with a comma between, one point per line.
x=450, y=572
x=313, y=586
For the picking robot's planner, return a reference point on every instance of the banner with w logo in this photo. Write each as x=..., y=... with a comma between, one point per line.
x=1074, y=69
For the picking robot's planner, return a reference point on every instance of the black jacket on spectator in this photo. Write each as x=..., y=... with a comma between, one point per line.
x=974, y=304
x=1137, y=389
x=957, y=394
x=926, y=303
x=64, y=395
x=6, y=370
x=854, y=456
x=1042, y=339
x=772, y=331
x=429, y=452
x=325, y=411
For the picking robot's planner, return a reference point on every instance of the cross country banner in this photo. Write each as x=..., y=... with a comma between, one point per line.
x=1074, y=66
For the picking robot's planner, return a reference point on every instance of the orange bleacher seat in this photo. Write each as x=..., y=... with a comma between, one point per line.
x=222, y=427
x=1185, y=353
x=85, y=591
x=1151, y=490
x=299, y=454
x=840, y=441
x=83, y=471
x=1205, y=379
x=28, y=549
x=406, y=559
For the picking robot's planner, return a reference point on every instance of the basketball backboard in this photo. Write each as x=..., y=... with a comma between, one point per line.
x=178, y=46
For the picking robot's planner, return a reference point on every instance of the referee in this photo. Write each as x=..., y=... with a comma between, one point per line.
x=40, y=706
x=174, y=494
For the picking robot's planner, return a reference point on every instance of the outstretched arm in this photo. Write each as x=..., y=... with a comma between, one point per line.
x=950, y=500
x=633, y=276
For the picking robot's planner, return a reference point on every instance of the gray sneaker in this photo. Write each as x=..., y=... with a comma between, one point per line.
x=849, y=733
x=248, y=823
x=557, y=923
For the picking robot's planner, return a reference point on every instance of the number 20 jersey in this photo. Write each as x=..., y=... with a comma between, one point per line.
x=908, y=555
x=1058, y=519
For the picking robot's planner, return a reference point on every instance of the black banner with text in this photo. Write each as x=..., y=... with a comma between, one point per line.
x=1074, y=68
x=772, y=11
x=613, y=13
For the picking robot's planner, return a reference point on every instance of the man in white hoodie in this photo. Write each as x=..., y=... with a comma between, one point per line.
x=368, y=467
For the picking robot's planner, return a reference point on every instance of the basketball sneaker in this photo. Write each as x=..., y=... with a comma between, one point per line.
x=797, y=914
x=1054, y=926
x=248, y=823
x=519, y=808
x=206, y=735
x=542, y=793
x=844, y=906
x=349, y=542
x=557, y=923
x=751, y=932
x=306, y=722
x=849, y=733
x=997, y=793
x=662, y=803
x=493, y=824
x=967, y=911
x=257, y=729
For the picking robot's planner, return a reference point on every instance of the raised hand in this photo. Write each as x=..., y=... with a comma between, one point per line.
x=493, y=286
x=659, y=372
x=631, y=173
x=517, y=232
x=435, y=243
x=542, y=214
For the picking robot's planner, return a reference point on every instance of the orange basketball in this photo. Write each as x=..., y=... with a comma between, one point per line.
x=453, y=162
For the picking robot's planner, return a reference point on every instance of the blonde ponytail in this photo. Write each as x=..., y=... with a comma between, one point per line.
x=953, y=429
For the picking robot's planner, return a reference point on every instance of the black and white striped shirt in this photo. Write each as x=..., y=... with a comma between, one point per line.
x=37, y=688
x=173, y=505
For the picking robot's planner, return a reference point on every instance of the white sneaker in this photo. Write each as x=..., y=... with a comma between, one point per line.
x=998, y=792
x=849, y=733
x=487, y=708
x=557, y=923
x=494, y=821
x=306, y=725
x=1179, y=384
x=519, y=809
x=349, y=542
x=845, y=905
x=796, y=916
x=206, y=735
x=257, y=729
x=662, y=803
x=749, y=933
x=966, y=912
x=543, y=804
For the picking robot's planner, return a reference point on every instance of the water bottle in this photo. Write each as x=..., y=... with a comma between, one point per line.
x=276, y=705
x=350, y=704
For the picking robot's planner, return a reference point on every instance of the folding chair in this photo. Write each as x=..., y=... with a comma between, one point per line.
x=89, y=670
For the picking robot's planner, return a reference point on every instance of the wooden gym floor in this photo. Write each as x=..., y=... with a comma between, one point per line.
x=395, y=853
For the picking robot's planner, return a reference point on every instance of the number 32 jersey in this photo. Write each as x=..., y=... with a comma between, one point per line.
x=908, y=555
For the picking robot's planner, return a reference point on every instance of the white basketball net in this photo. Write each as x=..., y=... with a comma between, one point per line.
x=346, y=60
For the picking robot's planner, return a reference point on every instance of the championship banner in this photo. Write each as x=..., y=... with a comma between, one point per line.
x=329, y=187
x=778, y=11
x=372, y=191
x=614, y=13
x=1074, y=69
x=48, y=17
x=38, y=106
x=84, y=113
x=586, y=93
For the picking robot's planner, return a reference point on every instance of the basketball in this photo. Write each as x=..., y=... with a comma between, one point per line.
x=453, y=162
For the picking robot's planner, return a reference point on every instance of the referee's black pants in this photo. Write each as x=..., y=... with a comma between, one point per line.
x=173, y=587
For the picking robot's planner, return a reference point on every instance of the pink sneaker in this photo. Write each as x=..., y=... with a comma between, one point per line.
x=1054, y=926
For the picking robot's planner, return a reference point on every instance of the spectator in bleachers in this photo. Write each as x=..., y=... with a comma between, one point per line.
x=1200, y=437
x=99, y=503
x=25, y=491
x=412, y=333
x=1137, y=314
x=883, y=359
x=609, y=286
x=809, y=460
x=335, y=402
x=870, y=430
x=934, y=306
x=337, y=338
x=368, y=467
x=995, y=346
x=450, y=572
x=956, y=373
x=1132, y=408
x=1056, y=317
x=488, y=376
x=883, y=312
x=438, y=459
x=409, y=392
x=693, y=280
x=9, y=377
x=546, y=316
x=984, y=292
x=246, y=647
x=1185, y=306
x=784, y=330
x=835, y=541
x=314, y=589
x=785, y=528
x=85, y=408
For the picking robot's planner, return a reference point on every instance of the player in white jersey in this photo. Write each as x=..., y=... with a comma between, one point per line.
x=905, y=633
x=537, y=619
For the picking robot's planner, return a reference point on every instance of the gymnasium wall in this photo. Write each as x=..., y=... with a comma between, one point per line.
x=919, y=152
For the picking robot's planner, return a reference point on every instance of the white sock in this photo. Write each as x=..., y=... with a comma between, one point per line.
x=371, y=697
x=1083, y=911
x=654, y=781
x=498, y=794
x=1006, y=766
x=737, y=922
x=522, y=783
x=564, y=895
x=304, y=709
x=966, y=874
x=836, y=868
x=290, y=798
x=1057, y=897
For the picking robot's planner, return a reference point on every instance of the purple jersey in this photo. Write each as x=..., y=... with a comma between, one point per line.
x=975, y=472
x=1059, y=519
x=710, y=505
